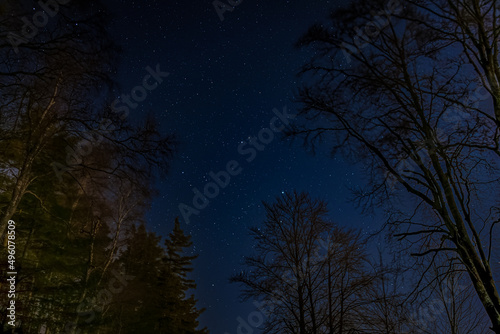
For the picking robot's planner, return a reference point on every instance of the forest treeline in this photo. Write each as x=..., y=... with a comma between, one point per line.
x=75, y=184
x=409, y=90
x=309, y=275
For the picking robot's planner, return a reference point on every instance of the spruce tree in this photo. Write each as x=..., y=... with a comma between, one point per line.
x=180, y=314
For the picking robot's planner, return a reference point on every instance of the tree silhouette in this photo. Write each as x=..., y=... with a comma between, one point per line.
x=309, y=274
x=58, y=88
x=404, y=95
x=75, y=175
x=180, y=312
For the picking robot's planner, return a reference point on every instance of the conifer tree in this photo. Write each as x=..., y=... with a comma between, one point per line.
x=180, y=313
x=136, y=309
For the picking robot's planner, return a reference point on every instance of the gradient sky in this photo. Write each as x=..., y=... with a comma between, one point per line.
x=225, y=79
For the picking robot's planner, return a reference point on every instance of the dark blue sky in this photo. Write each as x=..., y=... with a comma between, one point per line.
x=225, y=79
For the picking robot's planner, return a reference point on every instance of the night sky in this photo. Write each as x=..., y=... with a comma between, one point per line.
x=225, y=78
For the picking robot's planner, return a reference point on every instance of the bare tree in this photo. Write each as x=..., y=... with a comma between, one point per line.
x=473, y=25
x=56, y=89
x=446, y=302
x=308, y=272
x=400, y=94
x=386, y=307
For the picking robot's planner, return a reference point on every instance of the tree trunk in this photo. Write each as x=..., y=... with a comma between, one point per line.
x=18, y=192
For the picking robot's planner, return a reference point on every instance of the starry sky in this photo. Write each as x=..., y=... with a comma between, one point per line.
x=225, y=79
